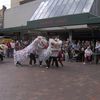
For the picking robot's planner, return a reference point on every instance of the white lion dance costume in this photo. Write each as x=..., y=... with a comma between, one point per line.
x=54, y=45
x=38, y=44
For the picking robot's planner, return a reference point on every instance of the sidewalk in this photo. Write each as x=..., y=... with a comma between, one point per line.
x=75, y=81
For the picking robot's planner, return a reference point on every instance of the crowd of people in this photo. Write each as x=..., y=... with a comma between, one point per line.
x=79, y=51
x=7, y=48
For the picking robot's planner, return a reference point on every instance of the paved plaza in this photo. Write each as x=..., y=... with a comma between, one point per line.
x=74, y=81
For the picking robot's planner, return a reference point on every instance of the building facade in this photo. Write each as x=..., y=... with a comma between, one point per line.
x=32, y=10
x=25, y=1
x=18, y=16
x=2, y=17
x=15, y=3
x=54, y=15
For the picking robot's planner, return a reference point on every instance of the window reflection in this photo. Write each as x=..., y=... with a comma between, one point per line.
x=56, y=8
x=53, y=8
x=41, y=10
x=80, y=6
x=88, y=6
x=36, y=12
x=74, y=6
x=67, y=8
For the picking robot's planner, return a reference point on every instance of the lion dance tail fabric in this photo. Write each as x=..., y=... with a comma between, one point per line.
x=38, y=44
x=54, y=44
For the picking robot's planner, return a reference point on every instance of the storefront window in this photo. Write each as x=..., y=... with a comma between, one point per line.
x=80, y=6
x=88, y=6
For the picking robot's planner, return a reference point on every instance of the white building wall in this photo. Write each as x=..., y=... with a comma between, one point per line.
x=18, y=16
x=15, y=3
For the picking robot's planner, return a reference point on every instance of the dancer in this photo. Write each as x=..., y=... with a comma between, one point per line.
x=47, y=54
x=21, y=55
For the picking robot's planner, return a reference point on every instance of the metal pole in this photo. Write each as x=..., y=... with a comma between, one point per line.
x=70, y=36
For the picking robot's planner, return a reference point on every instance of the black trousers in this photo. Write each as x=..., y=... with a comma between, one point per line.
x=1, y=57
x=97, y=59
x=53, y=60
x=32, y=58
x=47, y=62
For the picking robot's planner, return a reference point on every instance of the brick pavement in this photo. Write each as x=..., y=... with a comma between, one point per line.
x=74, y=81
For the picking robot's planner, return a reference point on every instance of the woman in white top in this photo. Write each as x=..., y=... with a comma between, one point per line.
x=88, y=54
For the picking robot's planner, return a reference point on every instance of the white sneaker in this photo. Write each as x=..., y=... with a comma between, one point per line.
x=84, y=63
x=47, y=67
x=40, y=65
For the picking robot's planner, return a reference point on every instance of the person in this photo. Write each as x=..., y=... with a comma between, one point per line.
x=36, y=45
x=32, y=57
x=55, y=48
x=4, y=48
x=1, y=54
x=12, y=48
x=9, y=49
x=97, y=50
x=88, y=54
x=17, y=47
x=81, y=54
x=61, y=57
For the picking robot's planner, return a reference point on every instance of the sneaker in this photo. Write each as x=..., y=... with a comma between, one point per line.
x=84, y=63
x=18, y=63
x=47, y=67
x=40, y=65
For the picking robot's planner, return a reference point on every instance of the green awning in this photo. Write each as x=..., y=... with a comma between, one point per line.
x=13, y=29
x=69, y=20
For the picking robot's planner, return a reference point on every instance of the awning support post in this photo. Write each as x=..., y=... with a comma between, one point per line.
x=70, y=36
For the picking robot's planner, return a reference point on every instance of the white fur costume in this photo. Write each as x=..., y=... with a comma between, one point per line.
x=38, y=44
x=54, y=44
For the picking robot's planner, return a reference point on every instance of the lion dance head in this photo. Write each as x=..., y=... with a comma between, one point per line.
x=42, y=43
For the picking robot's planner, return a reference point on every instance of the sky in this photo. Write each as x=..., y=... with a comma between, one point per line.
x=5, y=2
